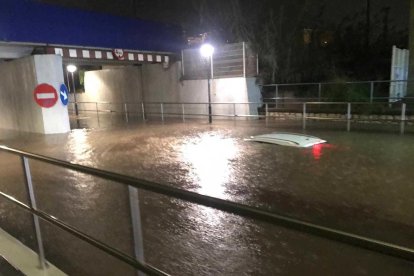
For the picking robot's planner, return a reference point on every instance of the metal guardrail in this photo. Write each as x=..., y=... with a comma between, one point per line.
x=219, y=204
x=137, y=262
x=318, y=87
x=181, y=110
x=145, y=109
x=348, y=114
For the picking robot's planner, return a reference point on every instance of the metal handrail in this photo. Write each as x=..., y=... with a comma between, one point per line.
x=123, y=108
x=311, y=98
x=171, y=113
x=332, y=82
x=87, y=238
x=238, y=103
x=25, y=156
x=172, y=103
x=338, y=103
x=219, y=204
x=268, y=106
x=319, y=85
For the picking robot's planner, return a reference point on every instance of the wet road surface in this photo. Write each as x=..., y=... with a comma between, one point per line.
x=358, y=182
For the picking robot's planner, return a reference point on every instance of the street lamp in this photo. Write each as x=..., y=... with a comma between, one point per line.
x=206, y=51
x=72, y=68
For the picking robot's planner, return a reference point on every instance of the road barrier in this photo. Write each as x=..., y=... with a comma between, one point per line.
x=134, y=184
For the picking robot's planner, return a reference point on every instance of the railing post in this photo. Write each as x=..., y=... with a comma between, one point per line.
x=183, y=110
x=244, y=60
x=182, y=63
x=143, y=111
x=207, y=106
x=304, y=116
x=162, y=111
x=266, y=111
x=234, y=110
x=319, y=91
x=136, y=225
x=97, y=113
x=403, y=112
x=126, y=112
x=110, y=112
x=348, y=117
x=211, y=67
x=371, y=92
x=276, y=94
x=33, y=205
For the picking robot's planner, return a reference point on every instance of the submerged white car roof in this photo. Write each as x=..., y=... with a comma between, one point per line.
x=288, y=139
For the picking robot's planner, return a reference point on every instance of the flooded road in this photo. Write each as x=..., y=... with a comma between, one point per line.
x=359, y=182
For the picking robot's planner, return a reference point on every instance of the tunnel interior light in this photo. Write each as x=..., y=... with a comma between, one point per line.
x=71, y=68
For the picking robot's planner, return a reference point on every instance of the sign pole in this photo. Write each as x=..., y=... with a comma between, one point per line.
x=74, y=95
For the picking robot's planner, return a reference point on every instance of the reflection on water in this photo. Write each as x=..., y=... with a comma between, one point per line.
x=358, y=183
x=79, y=147
x=80, y=151
x=318, y=150
x=208, y=158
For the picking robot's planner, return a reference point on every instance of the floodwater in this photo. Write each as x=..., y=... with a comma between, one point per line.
x=361, y=182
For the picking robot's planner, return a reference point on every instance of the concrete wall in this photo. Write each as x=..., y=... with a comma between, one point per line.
x=49, y=70
x=410, y=86
x=154, y=84
x=18, y=109
x=115, y=85
x=164, y=85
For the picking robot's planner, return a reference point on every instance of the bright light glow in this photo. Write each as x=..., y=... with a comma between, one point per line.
x=317, y=151
x=209, y=158
x=80, y=148
x=85, y=191
x=71, y=68
x=206, y=50
x=93, y=85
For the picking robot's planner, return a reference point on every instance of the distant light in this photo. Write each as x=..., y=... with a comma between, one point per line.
x=71, y=68
x=206, y=50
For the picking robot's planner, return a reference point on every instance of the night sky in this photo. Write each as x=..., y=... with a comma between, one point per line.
x=342, y=45
x=186, y=13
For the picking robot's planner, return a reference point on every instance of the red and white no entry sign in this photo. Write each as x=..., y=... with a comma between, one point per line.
x=45, y=95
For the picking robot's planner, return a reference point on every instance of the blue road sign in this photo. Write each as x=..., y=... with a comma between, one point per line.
x=64, y=94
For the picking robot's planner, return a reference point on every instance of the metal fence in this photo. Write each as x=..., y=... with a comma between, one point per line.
x=162, y=110
x=348, y=116
x=229, y=60
x=342, y=111
x=223, y=205
x=354, y=91
x=349, y=112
